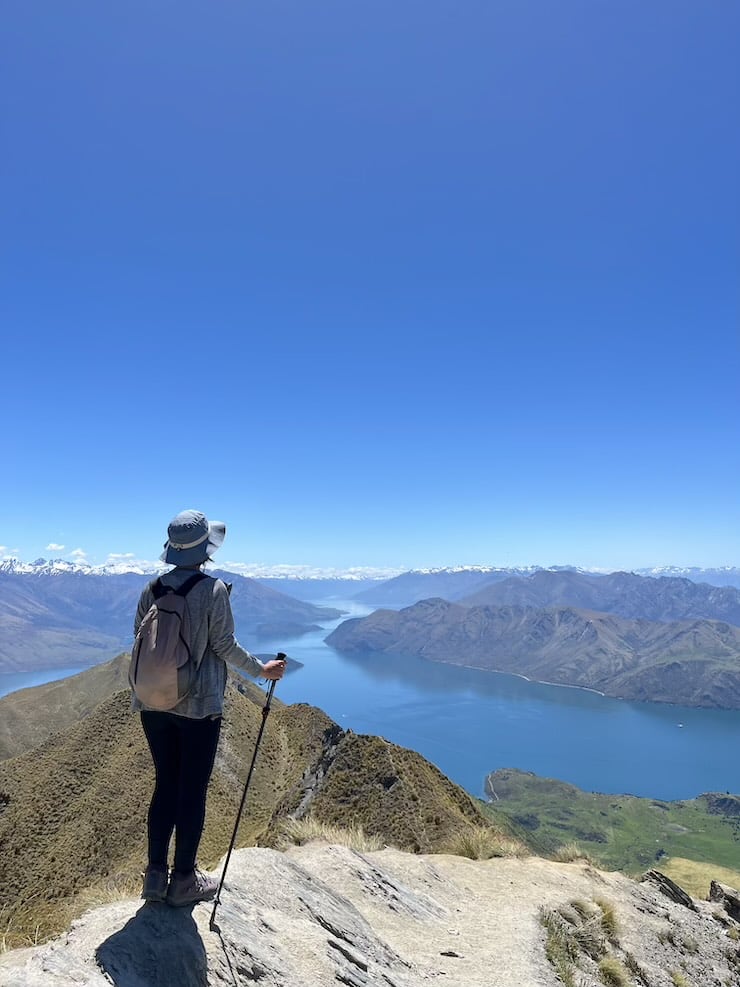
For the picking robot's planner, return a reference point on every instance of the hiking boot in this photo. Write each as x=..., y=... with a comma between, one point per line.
x=187, y=889
x=155, y=884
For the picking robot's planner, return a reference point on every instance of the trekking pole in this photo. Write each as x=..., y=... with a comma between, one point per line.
x=265, y=714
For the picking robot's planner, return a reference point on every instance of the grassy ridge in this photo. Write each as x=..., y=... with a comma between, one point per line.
x=73, y=809
x=620, y=832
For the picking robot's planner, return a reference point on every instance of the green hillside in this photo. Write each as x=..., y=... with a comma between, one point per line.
x=620, y=832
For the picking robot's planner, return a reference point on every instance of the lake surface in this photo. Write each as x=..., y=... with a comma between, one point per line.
x=469, y=722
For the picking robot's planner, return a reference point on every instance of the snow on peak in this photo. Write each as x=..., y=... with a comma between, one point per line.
x=54, y=567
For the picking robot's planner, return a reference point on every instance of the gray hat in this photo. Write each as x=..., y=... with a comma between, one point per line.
x=192, y=538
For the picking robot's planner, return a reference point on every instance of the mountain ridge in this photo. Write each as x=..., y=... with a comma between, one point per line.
x=691, y=663
x=72, y=618
x=626, y=594
x=73, y=808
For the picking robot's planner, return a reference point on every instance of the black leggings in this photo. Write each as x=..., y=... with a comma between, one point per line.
x=183, y=750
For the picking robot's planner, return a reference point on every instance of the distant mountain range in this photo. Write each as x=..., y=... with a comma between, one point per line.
x=623, y=593
x=51, y=617
x=459, y=582
x=449, y=583
x=690, y=662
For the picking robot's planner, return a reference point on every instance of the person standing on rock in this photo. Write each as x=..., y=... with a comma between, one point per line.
x=183, y=739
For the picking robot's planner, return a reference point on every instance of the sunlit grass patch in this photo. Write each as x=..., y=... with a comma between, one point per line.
x=297, y=832
x=483, y=843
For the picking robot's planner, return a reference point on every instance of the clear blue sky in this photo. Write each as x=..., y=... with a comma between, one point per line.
x=377, y=283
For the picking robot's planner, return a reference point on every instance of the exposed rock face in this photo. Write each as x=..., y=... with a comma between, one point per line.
x=319, y=916
x=693, y=663
x=729, y=898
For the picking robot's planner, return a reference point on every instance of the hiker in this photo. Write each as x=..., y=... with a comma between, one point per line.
x=183, y=736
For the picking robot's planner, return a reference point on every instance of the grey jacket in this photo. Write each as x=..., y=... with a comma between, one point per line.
x=212, y=637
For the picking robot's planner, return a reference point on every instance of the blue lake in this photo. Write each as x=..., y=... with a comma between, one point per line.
x=469, y=722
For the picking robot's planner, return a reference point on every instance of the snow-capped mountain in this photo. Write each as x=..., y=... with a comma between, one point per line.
x=52, y=567
x=726, y=575
x=55, y=613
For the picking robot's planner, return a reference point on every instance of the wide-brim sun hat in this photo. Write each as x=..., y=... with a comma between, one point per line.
x=192, y=538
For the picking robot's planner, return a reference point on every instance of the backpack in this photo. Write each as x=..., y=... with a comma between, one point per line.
x=163, y=669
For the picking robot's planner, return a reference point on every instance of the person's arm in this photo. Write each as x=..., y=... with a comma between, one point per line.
x=221, y=636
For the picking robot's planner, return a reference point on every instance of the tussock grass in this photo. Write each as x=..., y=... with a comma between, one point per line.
x=297, y=832
x=119, y=887
x=483, y=843
x=577, y=938
x=609, y=922
x=613, y=973
x=560, y=947
x=569, y=853
x=679, y=980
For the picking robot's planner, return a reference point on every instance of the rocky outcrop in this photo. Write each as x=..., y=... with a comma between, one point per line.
x=670, y=889
x=320, y=916
x=729, y=898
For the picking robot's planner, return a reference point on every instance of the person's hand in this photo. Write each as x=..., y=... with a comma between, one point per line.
x=274, y=670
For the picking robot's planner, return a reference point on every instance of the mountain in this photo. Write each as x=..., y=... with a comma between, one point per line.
x=692, y=663
x=29, y=717
x=73, y=809
x=52, y=617
x=318, y=588
x=449, y=583
x=321, y=915
x=728, y=575
x=626, y=594
x=458, y=582
x=50, y=567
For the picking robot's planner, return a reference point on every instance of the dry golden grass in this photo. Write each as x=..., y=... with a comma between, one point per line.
x=570, y=853
x=695, y=877
x=297, y=832
x=483, y=843
x=609, y=922
x=613, y=973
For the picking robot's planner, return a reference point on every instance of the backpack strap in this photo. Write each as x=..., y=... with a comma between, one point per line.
x=189, y=583
x=159, y=589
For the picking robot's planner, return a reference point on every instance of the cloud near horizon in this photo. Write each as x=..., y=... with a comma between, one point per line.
x=79, y=553
x=53, y=547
